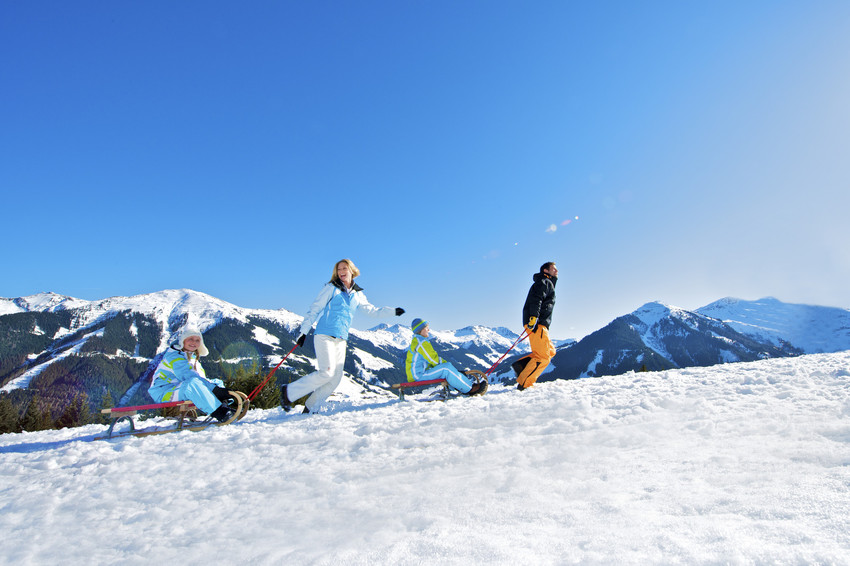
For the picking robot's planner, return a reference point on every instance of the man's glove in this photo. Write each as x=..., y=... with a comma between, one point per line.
x=399, y=311
x=532, y=322
x=300, y=340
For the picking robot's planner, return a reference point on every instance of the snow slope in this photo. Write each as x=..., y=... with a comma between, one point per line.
x=650, y=316
x=743, y=463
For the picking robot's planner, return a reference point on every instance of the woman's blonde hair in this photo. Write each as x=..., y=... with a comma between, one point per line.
x=351, y=267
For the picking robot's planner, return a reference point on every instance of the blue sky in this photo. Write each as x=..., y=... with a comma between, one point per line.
x=683, y=152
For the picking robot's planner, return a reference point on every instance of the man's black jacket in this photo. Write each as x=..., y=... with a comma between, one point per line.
x=540, y=300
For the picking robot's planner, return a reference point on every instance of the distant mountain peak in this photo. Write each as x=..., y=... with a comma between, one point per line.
x=654, y=312
x=653, y=306
x=40, y=302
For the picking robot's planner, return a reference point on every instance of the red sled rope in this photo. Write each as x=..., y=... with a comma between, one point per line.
x=522, y=337
x=259, y=388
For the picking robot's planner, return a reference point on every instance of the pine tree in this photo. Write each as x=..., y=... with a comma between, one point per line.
x=34, y=417
x=47, y=419
x=247, y=379
x=8, y=416
x=269, y=396
x=105, y=403
x=77, y=413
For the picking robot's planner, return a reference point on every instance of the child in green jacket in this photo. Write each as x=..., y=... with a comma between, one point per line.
x=423, y=363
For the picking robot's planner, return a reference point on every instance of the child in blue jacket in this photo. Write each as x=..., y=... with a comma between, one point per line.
x=180, y=377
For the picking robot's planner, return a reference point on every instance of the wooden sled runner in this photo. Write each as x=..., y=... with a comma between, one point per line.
x=186, y=419
x=401, y=387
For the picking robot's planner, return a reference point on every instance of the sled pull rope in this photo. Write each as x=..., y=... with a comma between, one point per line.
x=522, y=337
x=269, y=376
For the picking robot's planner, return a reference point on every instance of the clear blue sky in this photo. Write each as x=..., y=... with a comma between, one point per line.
x=698, y=149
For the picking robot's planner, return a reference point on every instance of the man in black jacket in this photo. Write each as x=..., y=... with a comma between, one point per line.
x=537, y=316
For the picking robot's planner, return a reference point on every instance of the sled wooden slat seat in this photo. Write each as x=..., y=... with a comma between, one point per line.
x=186, y=409
x=117, y=412
x=410, y=384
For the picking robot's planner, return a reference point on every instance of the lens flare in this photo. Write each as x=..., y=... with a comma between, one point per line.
x=554, y=227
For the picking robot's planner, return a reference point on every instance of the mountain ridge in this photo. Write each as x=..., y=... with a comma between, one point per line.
x=54, y=340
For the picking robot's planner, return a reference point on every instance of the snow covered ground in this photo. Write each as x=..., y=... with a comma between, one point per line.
x=733, y=464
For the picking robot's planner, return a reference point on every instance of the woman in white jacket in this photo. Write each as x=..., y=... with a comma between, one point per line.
x=332, y=313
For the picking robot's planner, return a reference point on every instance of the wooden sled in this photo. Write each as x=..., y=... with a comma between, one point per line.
x=186, y=418
x=445, y=392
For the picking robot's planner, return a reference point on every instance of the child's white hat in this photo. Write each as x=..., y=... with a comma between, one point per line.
x=189, y=331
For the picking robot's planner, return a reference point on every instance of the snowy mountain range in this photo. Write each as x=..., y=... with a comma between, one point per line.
x=55, y=341
x=812, y=329
x=658, y=336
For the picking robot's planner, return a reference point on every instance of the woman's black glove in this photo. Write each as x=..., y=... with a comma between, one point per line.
x=399, y=311
x=300, y=340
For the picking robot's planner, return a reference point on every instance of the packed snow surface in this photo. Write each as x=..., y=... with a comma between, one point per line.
x=744, y=463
